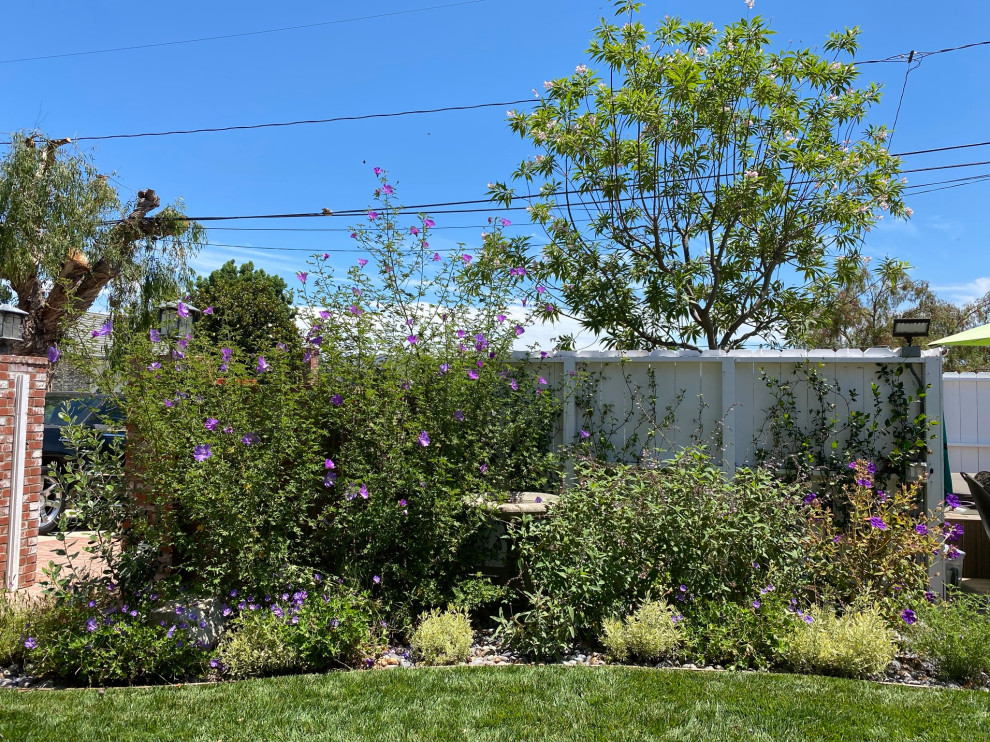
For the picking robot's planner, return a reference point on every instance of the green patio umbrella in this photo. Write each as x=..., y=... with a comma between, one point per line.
x=976, y=336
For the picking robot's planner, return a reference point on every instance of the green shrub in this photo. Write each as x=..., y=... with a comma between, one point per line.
x=954, y=635
x=442, y=638
x=314, y=628
x=737, y=635
x=622, y=533
x=856, y=644
x=18, y=611
x=650, y=633
x=257, y=644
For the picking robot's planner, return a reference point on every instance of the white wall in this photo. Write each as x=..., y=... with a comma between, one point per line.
x=966, y=399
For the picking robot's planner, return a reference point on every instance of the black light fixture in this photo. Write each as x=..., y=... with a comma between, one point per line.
x=172, y=323
x=910, y=328
x=11, y=326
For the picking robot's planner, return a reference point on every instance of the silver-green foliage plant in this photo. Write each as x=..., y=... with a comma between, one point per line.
x=651, y=632
x=443, y=638
x=858, y=643
x=701, y=188
x=258, y=645
x=955, y=635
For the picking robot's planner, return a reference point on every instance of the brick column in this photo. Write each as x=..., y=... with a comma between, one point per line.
x=22, y=547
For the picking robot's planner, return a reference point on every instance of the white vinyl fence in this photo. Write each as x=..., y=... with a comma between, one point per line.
x=966, y=400
x=697, y=395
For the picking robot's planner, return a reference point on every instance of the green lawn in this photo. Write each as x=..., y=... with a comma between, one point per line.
x=521, y=703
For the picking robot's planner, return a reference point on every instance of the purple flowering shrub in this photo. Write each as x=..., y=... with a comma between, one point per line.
x=242, y=469
x=112, y=638
x=679, y=532
x=877, y=547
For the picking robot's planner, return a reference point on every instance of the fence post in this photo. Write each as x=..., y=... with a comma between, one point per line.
x=935, y=486
x=728, y=408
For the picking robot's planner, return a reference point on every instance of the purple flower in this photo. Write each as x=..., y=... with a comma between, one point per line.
x=171, y=632
x=459, y=416
x=871, y=468
x=864, y=482
x=154, y=366
x=461, y=333
x=878, y=523
x=908, y=616
x=53, y=354
x=542, y=380
x=514, y=385
x=519, y=330
x=329, y=479
x=225, y=610
x=378, y=171
x=466, y=258
x=424, y=439
x=208, y=310
x=228, y=430
x=837, y=538
x=953, y=533
x=402, y=503
x=852, y=464
x=372, y=215
x=483, y=468
x=540, y=289
x=104, y=330
x=472, y=374
x=585, y=434
x=182, y=310
x=355, y=310
x=808, y=619
x=336, y=400
x=505, y=222
x=929, y=596
x=520, y=271
x=302, y=276
x=30, y=643
x=756, y=604
x=362, y=262
x=952, y=500
x=922, y=529
x=328, y=464
x=427, y=222
x=154, y=335
x=211, y=423
x=444, y=368
x=683, y=588
x=202, y=452
x=363, y=491
x=412, y=339
x=501, y=318
x=169, y=403
x=376, y=579
x=91, y=624
x=810, y=498
x=262, y=365
x=250, y=439
x=436, y=255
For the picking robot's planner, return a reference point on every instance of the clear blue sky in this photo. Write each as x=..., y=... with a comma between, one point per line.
x=497, y=50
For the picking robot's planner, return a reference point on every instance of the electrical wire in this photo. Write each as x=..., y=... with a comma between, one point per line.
x=239, y=35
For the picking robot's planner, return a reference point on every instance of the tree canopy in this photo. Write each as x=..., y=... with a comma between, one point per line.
x=251, y=308
x=66, y=239
x=697, y=192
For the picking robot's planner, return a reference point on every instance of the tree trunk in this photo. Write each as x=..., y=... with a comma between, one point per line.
x=79, y=284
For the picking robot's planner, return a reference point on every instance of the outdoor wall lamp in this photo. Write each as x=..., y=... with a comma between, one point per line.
x=11, y=327
x=910, y=328
x=172, y=322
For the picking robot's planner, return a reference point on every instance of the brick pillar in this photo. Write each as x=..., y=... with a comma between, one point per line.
x=22, y=547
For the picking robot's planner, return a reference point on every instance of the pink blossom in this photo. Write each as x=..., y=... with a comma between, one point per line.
x=501, y=318
x=372, y=215
x=519, y=330
x=427, y=222
x=378, y=171
x=209, y=309
x=414, y=231
x=353, y=235
x=412, y=339
x=506, y=222
x=466, y=258
x=387, y=189
x=436, y=257
x=362, y=262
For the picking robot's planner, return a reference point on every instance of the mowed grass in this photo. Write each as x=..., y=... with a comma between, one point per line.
x=519, y=703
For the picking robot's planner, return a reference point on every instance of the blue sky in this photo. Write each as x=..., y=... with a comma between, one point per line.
x=496, y=50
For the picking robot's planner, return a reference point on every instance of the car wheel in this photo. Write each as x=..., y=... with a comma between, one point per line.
x=52, y=500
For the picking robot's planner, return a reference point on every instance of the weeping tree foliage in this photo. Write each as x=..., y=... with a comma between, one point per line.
x=697, y=191
x=66, y=239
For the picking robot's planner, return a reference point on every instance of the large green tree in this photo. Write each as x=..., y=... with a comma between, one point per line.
x=251, y=308
x=696, y=191
x=66, y=239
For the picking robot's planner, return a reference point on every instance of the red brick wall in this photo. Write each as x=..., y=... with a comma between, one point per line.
x=37, y=370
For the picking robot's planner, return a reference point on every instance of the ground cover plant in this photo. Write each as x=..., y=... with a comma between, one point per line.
x=526, y=703
x=954, y=634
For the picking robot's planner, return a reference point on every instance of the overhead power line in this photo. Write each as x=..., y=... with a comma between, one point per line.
x=239, y=35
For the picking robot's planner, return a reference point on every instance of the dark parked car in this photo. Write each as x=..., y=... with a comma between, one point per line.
x=61, y=409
